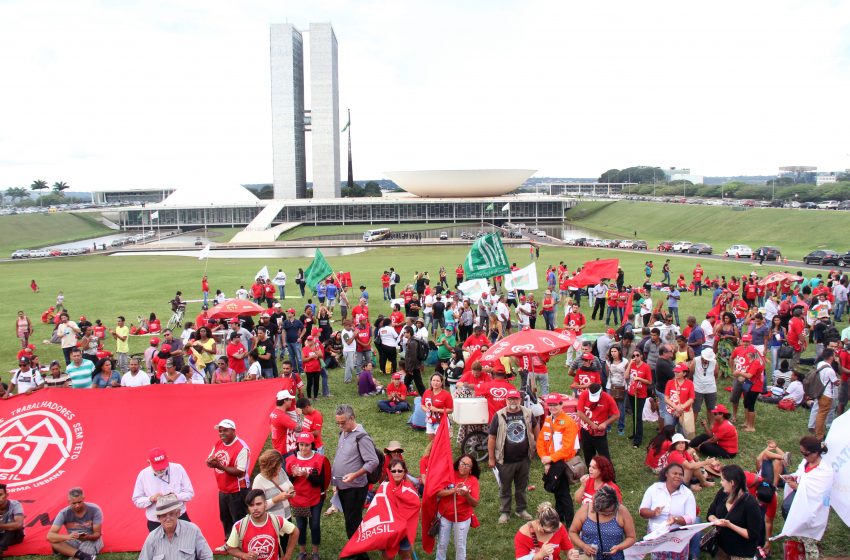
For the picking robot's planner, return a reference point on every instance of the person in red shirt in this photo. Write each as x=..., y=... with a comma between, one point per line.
x=457, y=505
x=258, y=291
x=283, y=423
x=459, y=274
x=691, y=464
x=754, y=378
x=679, y=396
x=407, y=294
x=597, y=411
x=236, y=354
x=734, y=285
x=613, y=297
x=306, y=470
x=477, y=340
x=534, y=363
x=575, y=320
x=585, y=375
x=269, y=291
x=435, y=402
x=229, y=460
x=638, y=382
x=751, y=292
x=312, y=422
x=547, y=310
x=496, y=392
x=385, y=285
x=396, y=401
x=474, y=378
x=397, y=318
x=290, y=381
x=697, y=276
x=659, y=445
x=550, y=538
x=360, y=310
x=205, y=288
x=797, y=335
x=721, y=439
x=766, y=496
x=313, y=354
x=739, y=361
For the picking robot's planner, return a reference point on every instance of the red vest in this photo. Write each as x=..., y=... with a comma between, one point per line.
x=227, y=454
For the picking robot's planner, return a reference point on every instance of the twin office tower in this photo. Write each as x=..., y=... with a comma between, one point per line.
x=290, y=121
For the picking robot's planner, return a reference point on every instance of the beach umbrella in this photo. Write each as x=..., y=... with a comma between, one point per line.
x=234, y=308
x=531, y=341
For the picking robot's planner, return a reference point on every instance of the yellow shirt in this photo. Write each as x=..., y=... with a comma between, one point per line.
x=122, y=346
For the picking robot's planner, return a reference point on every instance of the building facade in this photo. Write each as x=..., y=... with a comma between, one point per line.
x=324, y=111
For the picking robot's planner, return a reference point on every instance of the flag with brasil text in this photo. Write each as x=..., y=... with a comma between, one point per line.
x=489, y=208
x=486, y=258
x=318, y=270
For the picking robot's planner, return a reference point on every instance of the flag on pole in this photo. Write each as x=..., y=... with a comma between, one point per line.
x=155, y=215
x=506, y=207
x=594, y=271
x=486, y=258
x=392, y=516
x=474, y=288
x=628, y=309
x=205, y=253
x=263, y=273
x=318, y=270
x=440, y=475
x=489, y=208
x=347, y=124
x=522, y=279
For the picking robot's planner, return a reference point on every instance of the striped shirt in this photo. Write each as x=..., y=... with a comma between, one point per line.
x=80, y=375
x=187, y=542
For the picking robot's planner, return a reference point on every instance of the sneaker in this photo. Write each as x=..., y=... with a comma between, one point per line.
x=83, y=556
x=315, y=556
x=302, y=556
x=220, y=550
x=621, y=432
x=524, y=515
x=503, y=519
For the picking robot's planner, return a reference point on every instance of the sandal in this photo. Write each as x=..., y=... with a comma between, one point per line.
x=331, y=510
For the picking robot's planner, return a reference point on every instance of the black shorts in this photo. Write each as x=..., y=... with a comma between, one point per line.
x=750, y=399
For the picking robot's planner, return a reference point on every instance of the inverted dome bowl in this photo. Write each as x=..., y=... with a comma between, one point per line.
x=460, y=183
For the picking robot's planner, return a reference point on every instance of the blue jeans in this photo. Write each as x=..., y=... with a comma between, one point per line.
x=674, y=311
x=384, y=406
x=614, y=311
x=268, y=373
x=206, y=295
x=294, y=351
x=839, y=310
x=315, y=526
x=662, y=409
x=549, y=318
x=621, y=406
x=325, y=389
x=282, y=290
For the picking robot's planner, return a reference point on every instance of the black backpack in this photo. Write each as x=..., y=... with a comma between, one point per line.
x=421, y=350
x=373, y=476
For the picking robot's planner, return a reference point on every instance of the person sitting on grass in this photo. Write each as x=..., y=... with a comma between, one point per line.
x=366, y=386
x=396, y=401
x=694, y=475
x=772, y=463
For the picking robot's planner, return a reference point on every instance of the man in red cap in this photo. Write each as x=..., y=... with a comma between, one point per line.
x=585, y=374
x=159, y=478
x=229, y=460
x=597, y=410
x=396, y=402
x=509, y=444
x=150, y=352
x=285, y=423
x=555, y=446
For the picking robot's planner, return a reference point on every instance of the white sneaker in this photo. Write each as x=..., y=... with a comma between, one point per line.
x=503, y=519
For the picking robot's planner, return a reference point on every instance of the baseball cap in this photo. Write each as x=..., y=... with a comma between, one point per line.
x=277, y=304
x=226, y=423
x=522, y=298
x=283, y=395
x=747, y=337
x=594, y=392
x=24, y=360
x=484, y=294
x=681, y=367
x=587, y=356
x=396, y=376
x=234, y=320
x=166, y=348
x=720, y=409
x=290, y=310
x=554, y=398
x=154, y=341
x=610, y=331
x=158, y=459
x=513, y=394
x=305, y=437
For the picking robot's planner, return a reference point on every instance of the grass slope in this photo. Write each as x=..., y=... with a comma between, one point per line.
x=795, y=232
x=149, y=282
x=304, y=231
x=31, y=231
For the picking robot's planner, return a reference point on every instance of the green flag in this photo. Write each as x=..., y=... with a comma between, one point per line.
x=487, y=258
x=347, y=124
x=318, y=270
x=489, y=208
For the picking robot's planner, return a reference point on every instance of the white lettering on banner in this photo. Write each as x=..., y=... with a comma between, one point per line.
x=35, y=442
x=673, y=541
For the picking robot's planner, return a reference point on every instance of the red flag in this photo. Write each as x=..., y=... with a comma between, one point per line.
x=594, y=271
x=99, y=439
x=440, y=475
x=345, y=279
x=392, y=515
x=628, y=308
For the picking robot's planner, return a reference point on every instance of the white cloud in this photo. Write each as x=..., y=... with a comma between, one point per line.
x=156, y=93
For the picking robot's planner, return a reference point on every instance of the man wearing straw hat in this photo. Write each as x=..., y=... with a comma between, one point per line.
x=174, y=537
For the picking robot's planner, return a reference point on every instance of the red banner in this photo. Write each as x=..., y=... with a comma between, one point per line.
x=594, y=271
x=99, y=439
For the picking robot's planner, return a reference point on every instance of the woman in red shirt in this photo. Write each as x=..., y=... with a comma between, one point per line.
x=600, y=473
x=306, y=471
x=679, y=396
x=544, y=537
x=690, y=462
x=435, y=402
x=547, y=310
x=312, y=358
x=638, y=380
x=659, y=445
x=754, y=375
x=457, y=504
x=721, y=439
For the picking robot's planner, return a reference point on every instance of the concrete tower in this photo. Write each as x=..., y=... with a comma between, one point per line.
x=288, y=111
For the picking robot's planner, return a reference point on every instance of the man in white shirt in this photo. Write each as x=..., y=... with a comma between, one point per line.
x=279, y=280
x=159, y=478
x=242, y=293
x=523, y=313
x=135, y=377
x=428, y=309
x=420, y=331
x=503, y=314
x=707, y=327
x=823, y=407
x=349, y=349
x=26, y=379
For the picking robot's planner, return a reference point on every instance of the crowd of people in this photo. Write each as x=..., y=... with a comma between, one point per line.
x=646, y=368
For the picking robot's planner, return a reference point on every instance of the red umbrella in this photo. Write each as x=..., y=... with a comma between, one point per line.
x=234, y=308
x=531, y=341
x=775, y=277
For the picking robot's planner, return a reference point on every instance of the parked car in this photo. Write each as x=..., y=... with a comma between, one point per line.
x=444, y=235
x=700, y=249
x=845, y=259
x=681, y=246
x=640, y=244
x=198, y=241
x=739, y=251
x=822, y=257
x=627, y=244
x=770, y=253
x=665, y=246
x=21, y=254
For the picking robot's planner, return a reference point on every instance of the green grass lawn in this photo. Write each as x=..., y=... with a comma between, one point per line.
x=90, y=287
x=221, y=234
x=31, y=231
x=301, y=232
x=795, y=232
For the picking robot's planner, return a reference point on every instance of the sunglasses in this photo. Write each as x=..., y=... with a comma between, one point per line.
x=400, y=471
x=467, y=465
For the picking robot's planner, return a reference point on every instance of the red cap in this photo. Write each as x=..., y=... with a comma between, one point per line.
x=154, y=341
x=305, y=437
x=28, y=351
x=484, y=294
x=610, y=331
x=31, y=346
x=166, y=348
x=396, y=376
x=513, y=394
x=234, y=320
x=82, y=317
x=522, y=298
x=554, y=398
x=747, y=337
x=158, y=459
x=681, y=367
x=587, y=356
x=720, y=409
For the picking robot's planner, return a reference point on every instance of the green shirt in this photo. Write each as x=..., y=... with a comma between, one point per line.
x=80, y=374
x=444, y=353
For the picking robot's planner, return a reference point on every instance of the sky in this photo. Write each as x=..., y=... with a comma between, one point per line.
x=177, y=92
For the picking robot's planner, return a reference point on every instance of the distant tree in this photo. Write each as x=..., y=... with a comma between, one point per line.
x=16, y=193
x=843, y=177
x=266, y=193
x=372, y=189
x=60, y=186
x=354, y=191
x=51, y=199
x=38, y=185
x=309, y=193
x=638, y=174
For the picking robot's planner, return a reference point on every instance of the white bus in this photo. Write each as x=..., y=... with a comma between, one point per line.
x=375, y=234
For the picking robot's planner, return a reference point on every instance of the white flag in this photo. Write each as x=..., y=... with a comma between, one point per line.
x=506, y=207
x=205, y=253
x=155, y=215
x=822, y=487
x=474, y=288
x=263, y=273
x=676, y=541
x=522, y=279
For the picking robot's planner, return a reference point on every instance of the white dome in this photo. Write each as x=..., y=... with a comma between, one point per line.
x=460, y=183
